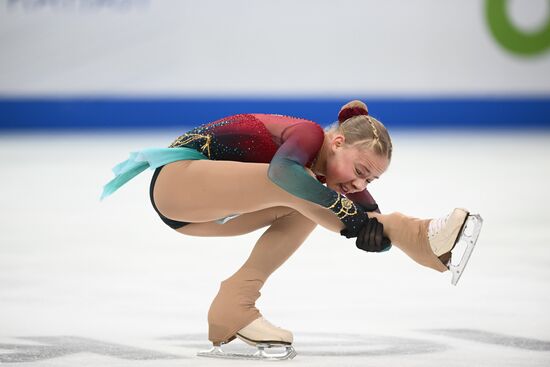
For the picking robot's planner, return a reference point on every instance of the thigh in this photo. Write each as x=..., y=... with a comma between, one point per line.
x=207, y=190
x=244, y=223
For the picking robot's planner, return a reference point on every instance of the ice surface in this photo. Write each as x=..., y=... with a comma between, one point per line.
x=84, y=282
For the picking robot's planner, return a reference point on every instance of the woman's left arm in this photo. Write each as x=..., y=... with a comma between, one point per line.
x=365, y=199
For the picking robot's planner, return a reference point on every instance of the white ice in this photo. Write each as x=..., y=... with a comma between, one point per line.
x=84, y=282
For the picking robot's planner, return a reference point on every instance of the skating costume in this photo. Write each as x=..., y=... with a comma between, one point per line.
x=288, y=144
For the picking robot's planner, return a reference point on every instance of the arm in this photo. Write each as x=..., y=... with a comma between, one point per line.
x=365, y=199
x=300, y=144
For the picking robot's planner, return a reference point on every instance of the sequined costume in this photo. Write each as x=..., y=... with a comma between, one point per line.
x=288, y=144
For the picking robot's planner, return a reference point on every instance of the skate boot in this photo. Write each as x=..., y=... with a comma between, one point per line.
x=452, y=239
x=263, y=335
x=233, y=315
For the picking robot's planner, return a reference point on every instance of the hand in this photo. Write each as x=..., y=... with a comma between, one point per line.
x=371, y=238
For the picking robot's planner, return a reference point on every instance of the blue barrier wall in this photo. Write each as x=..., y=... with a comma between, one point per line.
x=150, y=113
x=142, y=64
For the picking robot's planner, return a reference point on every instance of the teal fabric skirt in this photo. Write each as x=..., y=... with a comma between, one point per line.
x=147, y=158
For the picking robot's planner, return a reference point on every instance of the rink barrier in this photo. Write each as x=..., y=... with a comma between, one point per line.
x=116, y=113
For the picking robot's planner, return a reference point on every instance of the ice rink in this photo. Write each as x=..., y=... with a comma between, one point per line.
x=90, y=283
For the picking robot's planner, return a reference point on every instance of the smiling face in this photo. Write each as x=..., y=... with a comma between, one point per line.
x=349, y=169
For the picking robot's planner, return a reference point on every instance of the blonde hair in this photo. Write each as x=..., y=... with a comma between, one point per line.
x=362, y=131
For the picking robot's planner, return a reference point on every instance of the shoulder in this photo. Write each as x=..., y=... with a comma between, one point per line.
x=270, y=117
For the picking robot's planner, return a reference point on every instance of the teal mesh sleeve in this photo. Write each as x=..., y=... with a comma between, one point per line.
x=300, y=144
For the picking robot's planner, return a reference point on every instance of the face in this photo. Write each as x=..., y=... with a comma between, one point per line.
x=351, y=170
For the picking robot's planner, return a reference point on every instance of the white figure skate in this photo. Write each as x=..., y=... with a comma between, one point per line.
x=459, y=229
x=262, y=334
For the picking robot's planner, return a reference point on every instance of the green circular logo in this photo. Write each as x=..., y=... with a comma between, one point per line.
x=509, y=36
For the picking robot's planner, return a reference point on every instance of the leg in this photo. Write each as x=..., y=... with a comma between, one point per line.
x=244, y=223
x=204, y=190
x=234, y=306
x=258, y=202
x=432, y=242
x=411, y=236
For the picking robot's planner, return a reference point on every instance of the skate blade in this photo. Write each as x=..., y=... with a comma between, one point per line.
x=467, y=241
x=261, y=354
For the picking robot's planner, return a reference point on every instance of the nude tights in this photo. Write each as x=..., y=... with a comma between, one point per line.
x=204, y=200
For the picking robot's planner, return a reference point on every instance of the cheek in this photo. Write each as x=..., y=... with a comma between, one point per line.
x=336, y=173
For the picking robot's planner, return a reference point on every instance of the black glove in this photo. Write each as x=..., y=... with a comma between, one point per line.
x=371, y=238
x=352, y=231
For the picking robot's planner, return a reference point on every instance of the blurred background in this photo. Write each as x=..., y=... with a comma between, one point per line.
x=134, y=64
x=463, y=87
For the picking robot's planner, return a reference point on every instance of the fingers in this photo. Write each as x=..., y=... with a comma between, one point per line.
x=373, y=223
x=379, y=235
x=376, y=235
x=371, y=237
x=363, y=237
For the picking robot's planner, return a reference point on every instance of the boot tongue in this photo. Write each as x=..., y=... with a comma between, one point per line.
x=429, y=258
x=436, y=225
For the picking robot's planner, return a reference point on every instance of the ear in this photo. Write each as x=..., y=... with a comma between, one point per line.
x=338, y=140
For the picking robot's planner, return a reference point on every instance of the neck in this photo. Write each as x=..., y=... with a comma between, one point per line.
x=320, y=165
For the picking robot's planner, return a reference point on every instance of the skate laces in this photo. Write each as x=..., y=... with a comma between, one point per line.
x=436, y=225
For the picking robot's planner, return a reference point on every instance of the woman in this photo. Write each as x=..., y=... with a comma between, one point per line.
x=244, y=172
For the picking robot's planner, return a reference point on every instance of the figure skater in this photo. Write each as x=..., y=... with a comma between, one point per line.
x=248, y=171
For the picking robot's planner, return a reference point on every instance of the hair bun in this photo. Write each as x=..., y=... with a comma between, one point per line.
x=351, y=109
